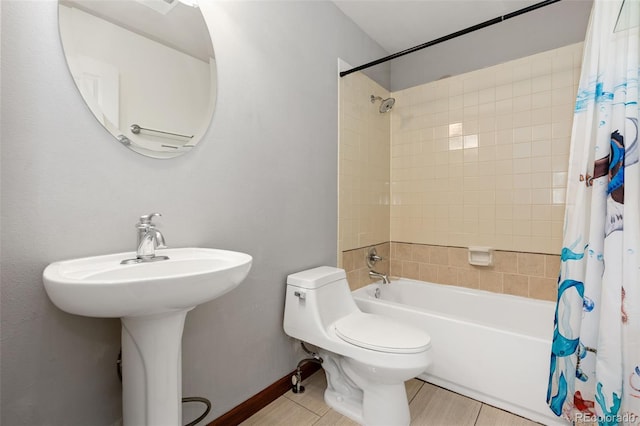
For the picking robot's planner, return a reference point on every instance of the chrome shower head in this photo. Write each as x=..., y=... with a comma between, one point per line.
x=385, y=105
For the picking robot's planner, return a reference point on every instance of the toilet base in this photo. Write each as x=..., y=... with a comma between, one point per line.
x=348, y=407
x=361, y=399
x=383, y=407
x=386, y=405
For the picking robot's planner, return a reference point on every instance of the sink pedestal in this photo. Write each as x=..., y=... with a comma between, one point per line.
x=152, y=369
x=152, y=299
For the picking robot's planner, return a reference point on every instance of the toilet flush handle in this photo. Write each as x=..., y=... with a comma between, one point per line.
x=300, y=295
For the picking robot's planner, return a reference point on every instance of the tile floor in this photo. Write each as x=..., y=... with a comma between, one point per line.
x=429, y=405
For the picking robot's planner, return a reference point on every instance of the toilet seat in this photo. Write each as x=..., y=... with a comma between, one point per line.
x=381, y=334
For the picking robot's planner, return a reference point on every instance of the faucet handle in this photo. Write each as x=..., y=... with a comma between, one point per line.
x=372, y=257
x=147, y=218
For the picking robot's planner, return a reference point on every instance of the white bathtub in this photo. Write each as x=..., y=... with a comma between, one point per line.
x=492, y=347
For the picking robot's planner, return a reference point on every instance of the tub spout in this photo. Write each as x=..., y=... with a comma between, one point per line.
x=383, y=277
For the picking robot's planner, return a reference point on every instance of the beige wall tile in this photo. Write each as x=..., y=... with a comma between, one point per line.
x=496, y=188
x=459, y=257
x=490, y=281
x=447, y=275
x=384, y=250
x=421, y=253
x=468, y=278
x=347, y=261
x=392, y=250
x=353, y=278
x=515, y=130
x=363, y=213
x=428, y=273
x=359, y=258
x=383, y=267
x=543, y=288
x=502, y=277
x=518, y=285
x=506, y=261
x=365, y=279
x=395, y=268
x=403, y=251
x=551, y=266
x=411, y=270
x=439, y=255
x=531, y=264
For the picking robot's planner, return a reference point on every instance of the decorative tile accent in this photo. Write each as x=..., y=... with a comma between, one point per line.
x=355, y=264
x=531, y=264
x=517, y=285
x=490, y=281
x=522, y=274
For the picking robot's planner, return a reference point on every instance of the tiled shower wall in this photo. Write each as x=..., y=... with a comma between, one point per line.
x=354, y=262
x=481, y=158
x=521, y=274
x=476, y=159
x=364, y=168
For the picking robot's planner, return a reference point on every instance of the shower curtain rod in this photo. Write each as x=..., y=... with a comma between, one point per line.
x=451, y=36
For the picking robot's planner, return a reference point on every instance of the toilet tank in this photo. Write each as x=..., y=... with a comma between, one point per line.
x=316, y=277
x=315, y=299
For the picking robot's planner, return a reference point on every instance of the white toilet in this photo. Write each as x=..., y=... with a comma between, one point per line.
x=366, y=357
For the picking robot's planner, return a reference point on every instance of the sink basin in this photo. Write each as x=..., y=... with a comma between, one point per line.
x=102, y=287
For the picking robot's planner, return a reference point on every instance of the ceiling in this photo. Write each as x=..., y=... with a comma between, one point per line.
x=400, y=24
x=397, y=25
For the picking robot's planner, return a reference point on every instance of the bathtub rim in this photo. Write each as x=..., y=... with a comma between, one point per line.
x=461, y=289
x=367, y=296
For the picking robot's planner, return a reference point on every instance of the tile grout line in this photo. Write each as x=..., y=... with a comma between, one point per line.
x=307, y=409
x=285, y=395
x=478, y=416
x=320, y=418
x=414, y=395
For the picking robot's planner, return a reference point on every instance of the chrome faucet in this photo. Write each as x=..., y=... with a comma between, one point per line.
x=372, y=257
x=149, y=239
x=384, y=277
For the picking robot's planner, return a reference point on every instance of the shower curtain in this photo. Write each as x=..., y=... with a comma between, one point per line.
x=595, y=355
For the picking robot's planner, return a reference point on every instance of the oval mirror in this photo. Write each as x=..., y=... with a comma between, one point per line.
x=145, y=69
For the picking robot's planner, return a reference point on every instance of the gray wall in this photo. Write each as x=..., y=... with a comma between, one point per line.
x=550, y=27
x=263, y=181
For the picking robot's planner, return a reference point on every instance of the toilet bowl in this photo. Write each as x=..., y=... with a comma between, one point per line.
x=366, y=357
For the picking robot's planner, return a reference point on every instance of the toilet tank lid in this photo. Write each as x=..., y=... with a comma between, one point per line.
x=316, y=277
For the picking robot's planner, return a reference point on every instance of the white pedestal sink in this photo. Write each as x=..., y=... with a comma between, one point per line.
x=152, y=299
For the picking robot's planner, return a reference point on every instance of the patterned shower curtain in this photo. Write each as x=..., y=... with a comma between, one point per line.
x=595, y=355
